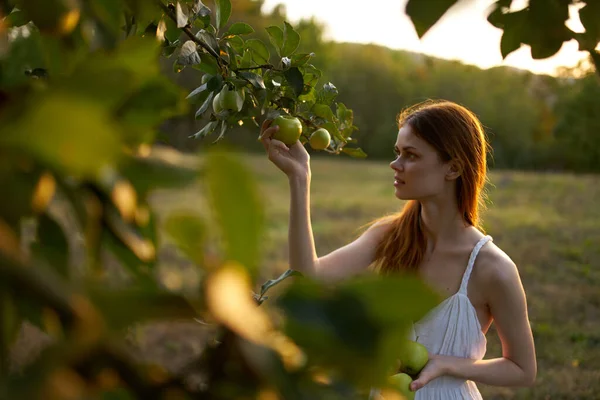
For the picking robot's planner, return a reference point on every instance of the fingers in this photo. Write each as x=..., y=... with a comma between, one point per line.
x=418, y=383
x=278, y=145
x=265, y=136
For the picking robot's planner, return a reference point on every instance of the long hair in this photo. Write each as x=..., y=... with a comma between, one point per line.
x=456, y=134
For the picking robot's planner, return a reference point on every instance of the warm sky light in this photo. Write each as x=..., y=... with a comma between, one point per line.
x=463, y=34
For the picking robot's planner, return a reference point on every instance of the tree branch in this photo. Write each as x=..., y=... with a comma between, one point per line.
x=191, y=34
x=262, y=66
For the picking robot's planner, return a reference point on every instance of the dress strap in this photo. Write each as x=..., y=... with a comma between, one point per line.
x=467, y=274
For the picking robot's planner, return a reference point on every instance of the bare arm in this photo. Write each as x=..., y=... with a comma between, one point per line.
x=508, y=306
x=349, y=260
x=342, y=263
x=517, y=366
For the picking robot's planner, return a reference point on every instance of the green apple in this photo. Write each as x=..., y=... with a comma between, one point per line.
x=320, y=139
x=289, y=131
x=413, y=358
x=228, y=100
x=401, y=382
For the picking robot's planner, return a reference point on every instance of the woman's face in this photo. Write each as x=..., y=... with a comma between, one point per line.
x=419, y=172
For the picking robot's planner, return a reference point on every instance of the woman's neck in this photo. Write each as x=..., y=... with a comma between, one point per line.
x=442, y=222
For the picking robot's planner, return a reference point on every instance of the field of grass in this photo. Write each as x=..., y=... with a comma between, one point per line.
x=548, y=223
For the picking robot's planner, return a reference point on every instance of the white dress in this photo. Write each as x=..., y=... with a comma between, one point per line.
x=452, y=328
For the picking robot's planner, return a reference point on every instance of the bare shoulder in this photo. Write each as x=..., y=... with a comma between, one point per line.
x=495, y=267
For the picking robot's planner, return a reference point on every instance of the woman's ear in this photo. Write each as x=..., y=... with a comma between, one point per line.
x=454, y=170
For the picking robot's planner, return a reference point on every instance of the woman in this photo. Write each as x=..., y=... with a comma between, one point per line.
x=440, y=168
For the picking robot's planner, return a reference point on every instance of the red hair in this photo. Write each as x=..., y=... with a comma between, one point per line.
x=456, y=134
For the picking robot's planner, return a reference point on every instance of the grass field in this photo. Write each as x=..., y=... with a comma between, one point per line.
x=548, y=223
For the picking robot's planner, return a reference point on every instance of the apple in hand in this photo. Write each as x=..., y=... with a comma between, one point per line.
x=289, y=131
x=413, y=358
x=320, y=139
x=401, y=382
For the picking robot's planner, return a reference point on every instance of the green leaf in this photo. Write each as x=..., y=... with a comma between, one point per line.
x=344, y=115
x=172, y=33
x=545, y=29
x=295, y=79
x=156, y=101
x=354, y=152
x=362, y=321
x=323, y=111
x=208, y=129
x=181, y=16
x=230, y=185
x=327, y=94
x=272, y=282
x=255, y=79
x=424, y=14
x=511, y=41
x=590, y=18
x=300, y=59
x=311, y=74
x=334, y=131
x=210, y=39
x=260, y=52
x=16, y=18
x=276, y=37
x=188, y=233
x=291, y=40
x=545, y=48
x=239, y=28
x=247, y=60
x=207, y=103
x=199, y=9
x=223, y=127
x=52, y=132
x=52, y=245
x=197, y=91
x=236, y=43
x=309, y=98
x=223, y=8
x=188, y=54
x=208, y=64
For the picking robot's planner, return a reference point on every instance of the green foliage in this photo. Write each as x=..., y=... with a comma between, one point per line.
x=269, y=84
x=82, y=96
x=540, y=25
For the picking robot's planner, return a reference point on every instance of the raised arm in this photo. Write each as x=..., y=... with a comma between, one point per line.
x=344, y=262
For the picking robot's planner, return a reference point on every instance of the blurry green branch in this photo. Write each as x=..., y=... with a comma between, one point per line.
x=171, y=14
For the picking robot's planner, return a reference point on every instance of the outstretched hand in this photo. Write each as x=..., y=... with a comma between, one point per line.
x=293, y=160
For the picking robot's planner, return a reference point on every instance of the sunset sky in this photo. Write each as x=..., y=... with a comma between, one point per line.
x=463, y=34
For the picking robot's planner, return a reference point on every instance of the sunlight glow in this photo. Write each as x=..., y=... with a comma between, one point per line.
x=462, y=34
